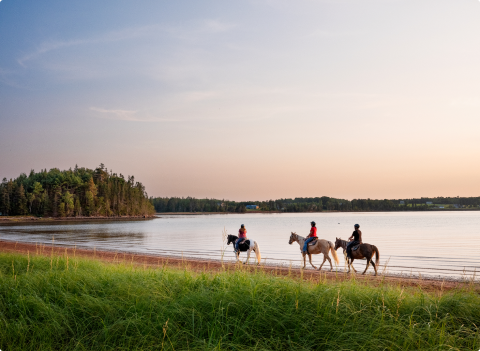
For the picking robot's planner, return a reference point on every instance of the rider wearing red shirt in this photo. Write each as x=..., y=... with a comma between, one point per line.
x=310, y=237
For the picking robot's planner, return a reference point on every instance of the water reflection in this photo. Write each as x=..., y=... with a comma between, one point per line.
x=436, y=243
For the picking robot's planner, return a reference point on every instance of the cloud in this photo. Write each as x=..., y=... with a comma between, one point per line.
x=122, y=115
x=128, y=115
x=113, y=36
x=217, y=26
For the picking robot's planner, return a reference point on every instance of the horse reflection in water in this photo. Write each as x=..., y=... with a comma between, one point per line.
x=248, y=245
x=321, y=246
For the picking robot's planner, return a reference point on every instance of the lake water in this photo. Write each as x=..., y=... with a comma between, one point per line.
x=432, y=243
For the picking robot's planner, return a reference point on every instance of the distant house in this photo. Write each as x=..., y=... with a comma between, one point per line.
x=429, y=203
x=252, y=207
x=441, y=207
x=457, y=206
x=402, y=202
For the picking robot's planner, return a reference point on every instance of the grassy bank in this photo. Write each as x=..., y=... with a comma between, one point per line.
x=68, y=303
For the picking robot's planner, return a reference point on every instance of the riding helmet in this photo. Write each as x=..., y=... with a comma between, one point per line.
x=243, y=225
x=313, y=223
x=357, y=225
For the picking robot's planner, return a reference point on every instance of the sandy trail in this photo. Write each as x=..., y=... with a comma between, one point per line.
x=152, y=261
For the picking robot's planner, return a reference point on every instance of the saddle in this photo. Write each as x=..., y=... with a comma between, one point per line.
x=354, y=248
x=313, y=242
x=244, y=245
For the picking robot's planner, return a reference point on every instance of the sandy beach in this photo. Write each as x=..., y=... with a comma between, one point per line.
x=200, y=265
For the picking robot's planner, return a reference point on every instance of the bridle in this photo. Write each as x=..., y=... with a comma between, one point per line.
x=293, y=237
x=340, y=243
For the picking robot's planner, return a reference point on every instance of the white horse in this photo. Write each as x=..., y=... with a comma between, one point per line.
x=321, y=246
x=245, y=247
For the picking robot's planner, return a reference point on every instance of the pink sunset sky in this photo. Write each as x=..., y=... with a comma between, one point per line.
x=247, y=100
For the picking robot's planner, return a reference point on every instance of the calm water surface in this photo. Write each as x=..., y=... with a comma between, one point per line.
x=433, y=243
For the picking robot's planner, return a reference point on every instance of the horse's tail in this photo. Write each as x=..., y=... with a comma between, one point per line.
x=334, y=253
x=257, y=252
x=377, y=255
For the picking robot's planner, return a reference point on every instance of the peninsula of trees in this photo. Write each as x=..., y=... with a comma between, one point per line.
x=80, y=192
x=315, y=204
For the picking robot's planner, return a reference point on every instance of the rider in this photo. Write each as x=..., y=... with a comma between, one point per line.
x=242, y=235
x=310, y=237
x=355, y=238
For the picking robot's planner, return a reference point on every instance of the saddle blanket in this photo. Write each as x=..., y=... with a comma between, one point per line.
x=247, y=243
x=313, y=242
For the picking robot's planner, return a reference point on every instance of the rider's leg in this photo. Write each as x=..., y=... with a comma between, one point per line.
x=306, y=244
x=237, y=243
x=349, y=250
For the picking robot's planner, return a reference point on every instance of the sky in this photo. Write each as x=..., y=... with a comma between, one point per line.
x=247, y=100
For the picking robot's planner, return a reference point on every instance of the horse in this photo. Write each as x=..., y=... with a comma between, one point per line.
x=321, y=246
x=245, y=247
x=363, y=251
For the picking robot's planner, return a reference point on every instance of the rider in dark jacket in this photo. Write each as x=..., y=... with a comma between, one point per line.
x=355, y=239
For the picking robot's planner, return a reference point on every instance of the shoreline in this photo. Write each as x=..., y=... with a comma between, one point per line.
x=206, y=265
x=327, y=211
x=29, y=219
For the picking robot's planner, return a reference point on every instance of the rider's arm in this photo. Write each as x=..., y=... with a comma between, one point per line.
x=360, y=236
x=351, y=238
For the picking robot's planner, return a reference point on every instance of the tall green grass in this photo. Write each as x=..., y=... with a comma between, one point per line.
x=60, y=303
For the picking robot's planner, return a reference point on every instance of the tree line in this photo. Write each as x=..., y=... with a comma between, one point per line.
x=311, y=204
x=78, y=192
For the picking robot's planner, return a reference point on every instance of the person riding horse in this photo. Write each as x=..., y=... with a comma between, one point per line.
x=312, y=236
x=242, y=235
x=355, y=239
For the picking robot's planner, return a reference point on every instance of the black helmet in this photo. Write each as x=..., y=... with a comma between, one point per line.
x=357, y=225
x=313, y=223
x=243, y=225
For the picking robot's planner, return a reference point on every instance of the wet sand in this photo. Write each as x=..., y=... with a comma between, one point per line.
x=198, y=265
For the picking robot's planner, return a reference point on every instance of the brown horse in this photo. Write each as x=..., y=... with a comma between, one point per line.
x=322, y=246
x=363, y=251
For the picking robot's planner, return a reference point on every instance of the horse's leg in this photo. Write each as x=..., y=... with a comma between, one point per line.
x=248, y=255
x=368, y=264
x=351, y=265
x=310, y=259
x=330, y=261
x=324, y=259
x=345, y=256
x=374, y=266
x=304, y=260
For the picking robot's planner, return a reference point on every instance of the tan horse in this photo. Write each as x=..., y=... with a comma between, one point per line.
x=322, y=246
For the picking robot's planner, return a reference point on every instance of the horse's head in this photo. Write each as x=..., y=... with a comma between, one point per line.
x=231, y=239
x=293, y=237
x=338, y=243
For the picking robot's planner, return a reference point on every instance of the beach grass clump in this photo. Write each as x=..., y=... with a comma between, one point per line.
x=66, y=303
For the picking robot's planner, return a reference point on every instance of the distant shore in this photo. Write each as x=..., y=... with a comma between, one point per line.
x=29, y=219
x=327, y=211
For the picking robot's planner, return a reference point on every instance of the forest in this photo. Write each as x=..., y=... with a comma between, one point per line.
x=314, y=204
x=80, y=192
